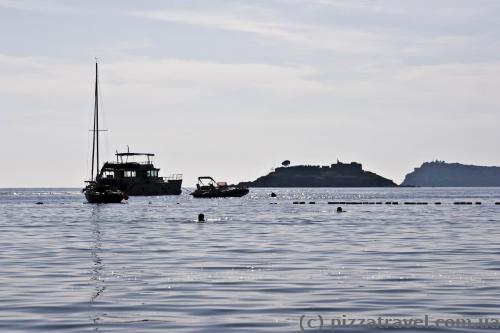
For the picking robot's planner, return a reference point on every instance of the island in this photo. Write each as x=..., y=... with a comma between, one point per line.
x=335, y=175
x=442, y=174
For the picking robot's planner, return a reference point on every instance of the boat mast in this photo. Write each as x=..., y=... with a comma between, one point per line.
x=96, y=108
x=95, y=130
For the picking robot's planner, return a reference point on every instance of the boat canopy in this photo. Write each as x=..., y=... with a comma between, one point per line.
x=120, y=156
x=134, y=154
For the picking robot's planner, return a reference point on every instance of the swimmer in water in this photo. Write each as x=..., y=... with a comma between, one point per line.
x=201, y=217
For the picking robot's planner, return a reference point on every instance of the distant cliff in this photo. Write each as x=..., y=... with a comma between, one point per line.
x=336, y=175
x=442, y=174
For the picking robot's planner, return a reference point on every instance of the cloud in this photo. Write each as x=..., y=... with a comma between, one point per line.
x=304, y=35
x=48, y=6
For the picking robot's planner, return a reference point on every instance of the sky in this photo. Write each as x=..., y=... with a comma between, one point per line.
x=232, y=88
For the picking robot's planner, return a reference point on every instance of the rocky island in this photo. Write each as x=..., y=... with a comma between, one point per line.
x=335, y=175
x=442, y=174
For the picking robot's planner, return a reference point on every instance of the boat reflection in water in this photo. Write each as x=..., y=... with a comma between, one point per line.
x=207, y=187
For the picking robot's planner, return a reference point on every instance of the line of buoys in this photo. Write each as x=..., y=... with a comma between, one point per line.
x=380, y=203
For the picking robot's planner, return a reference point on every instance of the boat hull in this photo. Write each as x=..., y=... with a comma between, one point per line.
x=103, y=198
x=218, y=193
x=138, y=188
x=96, y=193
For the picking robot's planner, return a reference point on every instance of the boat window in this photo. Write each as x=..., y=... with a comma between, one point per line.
x=152, y=173
x=109, y=174
x=128, y=174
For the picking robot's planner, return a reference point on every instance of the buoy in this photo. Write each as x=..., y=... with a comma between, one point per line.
x=437, y=203
x=273, y=195
x=339, y=210
x=378, y=203
x=497, y=203
x=201, y=217
x=394, y=202
x=388, y=203
x=312, y=202
x=302, y=202
x=295, y=202
x=39, y=203
x=478, y=202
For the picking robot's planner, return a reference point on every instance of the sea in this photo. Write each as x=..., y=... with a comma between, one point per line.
x=392, y=260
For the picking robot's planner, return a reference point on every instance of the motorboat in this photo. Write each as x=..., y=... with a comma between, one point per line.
x=207, y=187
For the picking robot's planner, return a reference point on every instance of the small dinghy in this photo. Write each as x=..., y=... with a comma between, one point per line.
x=207, y=187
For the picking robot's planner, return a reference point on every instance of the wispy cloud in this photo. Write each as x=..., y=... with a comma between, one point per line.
x=314, y=36
x=49, y=6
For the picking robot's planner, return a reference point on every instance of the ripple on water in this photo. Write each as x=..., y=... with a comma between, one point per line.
x=252, y=267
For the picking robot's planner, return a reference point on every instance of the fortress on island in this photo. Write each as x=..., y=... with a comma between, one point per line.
x=335, y=175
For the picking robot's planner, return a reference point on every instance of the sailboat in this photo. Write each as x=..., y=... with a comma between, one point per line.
x=95, y=192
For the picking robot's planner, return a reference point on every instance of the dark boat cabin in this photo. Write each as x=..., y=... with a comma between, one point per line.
x=138, y=177
x=123, y=168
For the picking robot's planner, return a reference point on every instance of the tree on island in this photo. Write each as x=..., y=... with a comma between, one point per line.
x=285, y=163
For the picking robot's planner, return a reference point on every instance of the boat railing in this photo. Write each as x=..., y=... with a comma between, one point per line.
x=140, y=162
x=175, y=176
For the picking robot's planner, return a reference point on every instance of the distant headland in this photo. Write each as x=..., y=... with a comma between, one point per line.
x=442, y=174
x=335, y=175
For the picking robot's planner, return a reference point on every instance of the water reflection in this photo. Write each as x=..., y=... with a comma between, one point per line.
x=96, y=277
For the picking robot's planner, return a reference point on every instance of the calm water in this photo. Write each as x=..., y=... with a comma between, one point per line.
x=147, y=266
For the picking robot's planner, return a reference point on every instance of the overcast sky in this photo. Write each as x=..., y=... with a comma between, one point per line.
x=232, y=88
